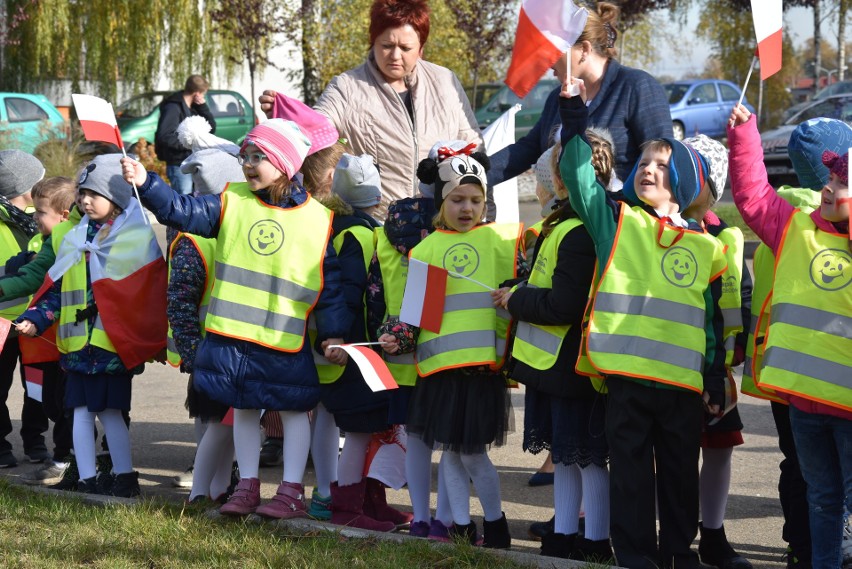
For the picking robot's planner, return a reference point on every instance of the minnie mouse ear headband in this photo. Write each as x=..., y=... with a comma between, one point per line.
x=464, y=146
x=837, y=164
x=452, y=169
x=319, y=129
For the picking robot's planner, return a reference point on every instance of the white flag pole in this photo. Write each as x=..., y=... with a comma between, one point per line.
x=471, y=280
x=133, y=183
x=750, y=69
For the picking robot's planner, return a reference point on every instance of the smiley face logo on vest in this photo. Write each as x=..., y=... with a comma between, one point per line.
x=831, y=269
x=462, y=259
x=266, y=237
x=679, y=267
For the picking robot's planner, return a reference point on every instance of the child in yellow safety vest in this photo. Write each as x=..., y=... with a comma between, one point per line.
x=647, y=335
x=563, y=411
x=808, y=347
x=275, y=266
x=460, y=401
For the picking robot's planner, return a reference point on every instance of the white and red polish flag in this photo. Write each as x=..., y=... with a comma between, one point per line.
x=546, y=30
x=35, y=382
x=423, y=300
x=371, y=365
x=768, y=20
x=97, y=119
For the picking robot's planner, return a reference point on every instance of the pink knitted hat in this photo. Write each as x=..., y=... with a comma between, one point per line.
x=283, y=142
x=837, y=164
x=318, y=127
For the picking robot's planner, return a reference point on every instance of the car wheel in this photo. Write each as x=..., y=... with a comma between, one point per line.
x=677, y=129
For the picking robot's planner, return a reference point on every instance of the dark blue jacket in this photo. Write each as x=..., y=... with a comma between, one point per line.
x=237, y=372
x=631, y=104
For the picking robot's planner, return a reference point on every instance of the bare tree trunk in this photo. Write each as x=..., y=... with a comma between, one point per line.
x=817, y=45
x=311, y=87
x=252, y=68
x=841, y=39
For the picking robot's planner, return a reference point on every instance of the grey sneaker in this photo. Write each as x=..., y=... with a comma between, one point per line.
x=50, y=473
x=184, y=479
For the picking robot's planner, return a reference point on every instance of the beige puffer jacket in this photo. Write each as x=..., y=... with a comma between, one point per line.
x=373, y=117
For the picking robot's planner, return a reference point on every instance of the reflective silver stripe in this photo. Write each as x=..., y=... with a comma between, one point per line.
x=453, y=342
x=256, y=316
x=655, y=307
x=70, y=330
x=501, y=347
x=202, y=312
x=647, y=349
x=171, y=345
x=538, y=337
x=264, y=283
x=504, y=314
x=808, y=365
x=467, y=301
x=72, y=297
x=747, y=363
x=12, y=303
x=99, y=325
x=812, y=319
x=733, y=317
x=400, y=359
x=730, y=343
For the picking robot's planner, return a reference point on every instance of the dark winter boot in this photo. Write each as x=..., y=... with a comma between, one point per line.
x=466, y=533
x=347, y=508
x=376, y=505
x=88, y=485
x=598, y=551
x=126, y=485
x=558, y=545
x=714, y=549
x=496, y=534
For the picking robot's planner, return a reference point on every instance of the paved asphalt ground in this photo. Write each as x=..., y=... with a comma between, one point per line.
x=162, y=438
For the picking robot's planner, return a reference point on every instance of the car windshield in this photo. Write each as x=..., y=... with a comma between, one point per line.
x=675, y=91
x=139, y=106
x=839, y=108
x=834, y=89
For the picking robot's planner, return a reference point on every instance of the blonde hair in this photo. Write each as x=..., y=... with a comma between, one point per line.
x=440, y=221
x=59, y=191
x=601, y=28
x=317, y=165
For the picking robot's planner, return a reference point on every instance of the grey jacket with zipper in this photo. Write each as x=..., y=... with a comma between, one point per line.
x=373, y=117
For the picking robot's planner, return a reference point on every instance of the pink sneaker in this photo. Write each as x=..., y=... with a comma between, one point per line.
x=244, y=500
x=288, y=503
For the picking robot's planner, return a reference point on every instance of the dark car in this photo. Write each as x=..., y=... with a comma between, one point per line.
x=702, y=106
x=778, y=165
x=531, y=106
x=137, y=117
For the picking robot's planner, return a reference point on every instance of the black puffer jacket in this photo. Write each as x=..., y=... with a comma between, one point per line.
x=173, y=109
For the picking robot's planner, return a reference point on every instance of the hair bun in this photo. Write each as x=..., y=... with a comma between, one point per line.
x=483, y=159
x=427, y=171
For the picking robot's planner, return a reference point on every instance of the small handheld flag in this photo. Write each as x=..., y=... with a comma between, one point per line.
x=5, y=326
x=423, y=300
x=768, y=18
x=373, y=368
x=35, y=382
x=97, y=119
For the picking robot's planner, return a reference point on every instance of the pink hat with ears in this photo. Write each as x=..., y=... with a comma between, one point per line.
x=318, y=127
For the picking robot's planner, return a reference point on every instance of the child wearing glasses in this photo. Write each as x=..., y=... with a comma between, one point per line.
x=274, y=266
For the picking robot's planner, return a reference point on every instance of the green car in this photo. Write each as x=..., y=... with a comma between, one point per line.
x=137, y=117
x=27, y=120
x=531, y=106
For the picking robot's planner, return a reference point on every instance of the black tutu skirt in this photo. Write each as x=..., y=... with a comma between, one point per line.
x=460, y=411
x=200, y=405
x=571, y=428
x=97, y=392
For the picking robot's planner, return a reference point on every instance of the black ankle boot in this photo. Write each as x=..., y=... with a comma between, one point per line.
x=88, y=485
x=714, y=549
x=496, y=534
x=598, y=551
x=466, y=533
x=558, y=545
x=126, y=485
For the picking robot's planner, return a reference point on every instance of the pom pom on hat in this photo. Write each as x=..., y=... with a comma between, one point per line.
x=356, y=181
x=194, y=133
x=283, y=142
x=212, y=169
x=687, y=172
x=320, y=130
x=103, y=176
x=717, y=158
x=19, y=171
x=837, y=164
x=808, y=142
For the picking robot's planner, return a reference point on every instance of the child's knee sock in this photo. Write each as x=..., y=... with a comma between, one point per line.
x=84, y=444
x=487, y=484
x=352, y=459
x=118, y=436
x=457, y=480
x=596, y=501
x=217, y=442
x=567, y=494
x=418, y=473
x=325, y=441
x=714, y=484
x=247, y=441
x=296, y=444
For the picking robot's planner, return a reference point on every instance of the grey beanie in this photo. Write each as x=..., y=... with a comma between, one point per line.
x=19, y=172
x=356, y=181
x=807, y=143
x=717, y=157
x=103, y=176
x=212, y=169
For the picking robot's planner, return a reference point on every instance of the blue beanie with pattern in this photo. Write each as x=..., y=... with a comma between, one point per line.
x=688, y=170
x=807, y=143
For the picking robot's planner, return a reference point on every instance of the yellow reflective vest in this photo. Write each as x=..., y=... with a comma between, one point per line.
x=206, y=247
x=9, y=247
x=730, y=301
x=648, y=316
x=472, y=332
x=268, y=277
x=809, y=341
